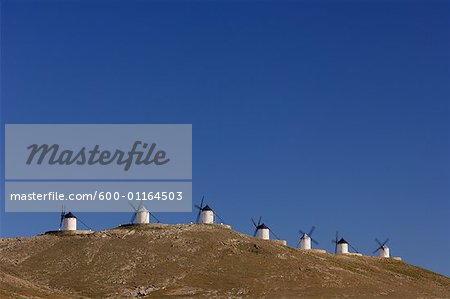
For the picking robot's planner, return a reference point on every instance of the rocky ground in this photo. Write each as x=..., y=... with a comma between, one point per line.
x=197, y=260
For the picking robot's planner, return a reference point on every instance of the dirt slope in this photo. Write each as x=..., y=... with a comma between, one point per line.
x=197, y=261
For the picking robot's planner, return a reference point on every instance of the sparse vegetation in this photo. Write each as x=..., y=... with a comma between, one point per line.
x=159, y=261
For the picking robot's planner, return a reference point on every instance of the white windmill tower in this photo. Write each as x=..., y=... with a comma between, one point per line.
x=141, y=215
x=306, y=239
x=383, y=248
x=262, y=231
x=206, y=214
x=342, y=245
x=69, y=222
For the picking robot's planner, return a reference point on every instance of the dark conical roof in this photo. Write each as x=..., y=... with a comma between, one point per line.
x=69, y=215
x=262, y=226
x=342, y=241
x=206, y=208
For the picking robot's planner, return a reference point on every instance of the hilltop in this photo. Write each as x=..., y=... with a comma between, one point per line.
x=197, y=260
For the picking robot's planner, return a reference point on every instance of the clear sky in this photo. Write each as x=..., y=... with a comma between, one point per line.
x=334, y=114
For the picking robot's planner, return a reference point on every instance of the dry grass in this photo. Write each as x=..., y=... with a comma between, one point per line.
x=197, y=261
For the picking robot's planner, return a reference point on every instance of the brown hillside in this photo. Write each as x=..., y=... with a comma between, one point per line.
x=197, y=261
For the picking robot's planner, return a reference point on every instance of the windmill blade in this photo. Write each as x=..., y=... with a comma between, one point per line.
x=260, y=219
x=198, y=216
x=335, y=245
x=336, y=239
x=133, y=217
x=376, y=250
x=254, y=233
x=153, y=215
x=301, y=232
x=314, y=241
x=199, y=207
x=215, y=214
x=336, y=242
x=385, y=242
x=254, y=223
x=274, y=234
x=311, y=231
x=378, y=241
x=354, y=249
x=87, y=226
x=63, y=213
x=134, y=208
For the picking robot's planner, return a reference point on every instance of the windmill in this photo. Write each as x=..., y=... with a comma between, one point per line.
x=305, y=239
x=383, y=248
x=206, y=214
x=262, y=231
x=68, y=221
x=341, y=246
x=141, y=215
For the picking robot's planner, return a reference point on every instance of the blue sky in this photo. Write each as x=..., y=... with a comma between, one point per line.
x=332, y=114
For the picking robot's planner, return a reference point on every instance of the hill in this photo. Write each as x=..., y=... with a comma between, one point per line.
x=197, y=260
